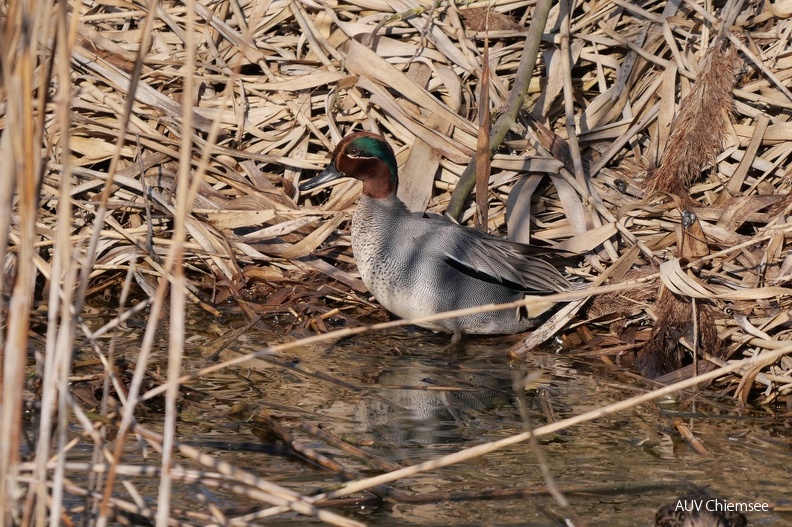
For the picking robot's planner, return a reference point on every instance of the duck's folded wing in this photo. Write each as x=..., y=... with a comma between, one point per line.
x=507, y=263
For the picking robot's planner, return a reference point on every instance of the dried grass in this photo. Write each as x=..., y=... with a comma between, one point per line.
x=699, y=127
x=157, y=148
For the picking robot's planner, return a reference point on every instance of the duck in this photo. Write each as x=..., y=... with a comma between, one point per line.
x=416, y=265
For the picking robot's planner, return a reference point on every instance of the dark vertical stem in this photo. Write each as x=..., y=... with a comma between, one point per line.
x=513, y=105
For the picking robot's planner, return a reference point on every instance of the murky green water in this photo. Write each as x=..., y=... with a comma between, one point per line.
x=410, y=399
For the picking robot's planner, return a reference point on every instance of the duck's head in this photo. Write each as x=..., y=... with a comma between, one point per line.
x=365, y=156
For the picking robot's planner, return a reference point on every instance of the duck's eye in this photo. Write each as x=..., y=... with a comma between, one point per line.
x=353, y=151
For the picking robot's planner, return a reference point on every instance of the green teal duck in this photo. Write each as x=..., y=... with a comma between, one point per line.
x=416, y=266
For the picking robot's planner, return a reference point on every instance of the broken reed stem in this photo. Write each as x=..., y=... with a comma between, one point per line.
x=6, y=213
x=569, y=97
x=23, y=163
x=483, y=164
x=520, y=384
x=62, y=324
x=178, y=293
x=508, y=117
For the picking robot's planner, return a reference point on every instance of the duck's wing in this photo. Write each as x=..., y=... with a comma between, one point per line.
x=537, y=266
x=497, y=260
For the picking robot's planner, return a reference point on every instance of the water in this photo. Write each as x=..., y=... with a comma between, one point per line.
x=408, y=398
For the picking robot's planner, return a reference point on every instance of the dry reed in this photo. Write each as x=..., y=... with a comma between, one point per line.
x=156, y=148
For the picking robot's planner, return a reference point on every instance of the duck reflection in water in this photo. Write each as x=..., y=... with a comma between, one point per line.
x=423, y=405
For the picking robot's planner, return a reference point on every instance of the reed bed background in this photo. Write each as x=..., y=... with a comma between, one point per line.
x=150, y=156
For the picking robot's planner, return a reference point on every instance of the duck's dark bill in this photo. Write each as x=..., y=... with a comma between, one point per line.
x=325, y=176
